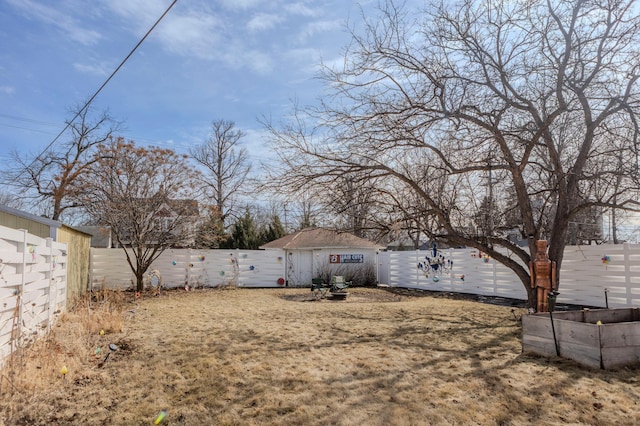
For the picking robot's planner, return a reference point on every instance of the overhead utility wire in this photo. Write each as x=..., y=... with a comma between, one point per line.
x=28, y=120
x=25, y=128
x=86, y=105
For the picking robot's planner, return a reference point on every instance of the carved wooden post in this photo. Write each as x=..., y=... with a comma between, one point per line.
x=543, y=276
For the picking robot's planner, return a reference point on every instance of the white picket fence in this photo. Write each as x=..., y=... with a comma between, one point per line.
x=33, y=284
x=587, y=273
x=196, y=268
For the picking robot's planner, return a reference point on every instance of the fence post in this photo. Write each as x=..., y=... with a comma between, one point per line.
x=495, y=276
x=53, y=285
x=91, y=274
x=415, y=264
x=627, y=272
x=236, y=268
x=20, y=304
x=189, y=263
x=451, y=272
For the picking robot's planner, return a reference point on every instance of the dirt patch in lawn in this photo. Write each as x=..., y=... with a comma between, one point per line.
x=277, y=356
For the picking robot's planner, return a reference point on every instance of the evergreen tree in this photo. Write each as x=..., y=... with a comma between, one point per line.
x=245, y=233
x=274, y=230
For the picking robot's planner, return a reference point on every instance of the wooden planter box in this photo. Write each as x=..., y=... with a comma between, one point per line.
x=613, y=344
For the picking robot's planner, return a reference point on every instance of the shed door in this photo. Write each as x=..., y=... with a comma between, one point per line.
x=300, y=268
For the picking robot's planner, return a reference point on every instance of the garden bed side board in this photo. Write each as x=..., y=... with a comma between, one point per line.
x=613, y=344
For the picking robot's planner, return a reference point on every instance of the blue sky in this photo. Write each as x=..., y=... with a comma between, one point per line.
x=225, y=59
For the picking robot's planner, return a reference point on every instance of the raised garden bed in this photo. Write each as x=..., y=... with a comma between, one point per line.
x=613, y=343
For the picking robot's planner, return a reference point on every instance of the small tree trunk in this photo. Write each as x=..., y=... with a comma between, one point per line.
x=139, y=280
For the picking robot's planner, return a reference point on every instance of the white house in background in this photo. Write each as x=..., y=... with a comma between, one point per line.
x=318, y=252
x=165, y=215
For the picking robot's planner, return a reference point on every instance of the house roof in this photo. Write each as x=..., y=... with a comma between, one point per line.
x=184, y=206
x=188, y=206
x=316, y=238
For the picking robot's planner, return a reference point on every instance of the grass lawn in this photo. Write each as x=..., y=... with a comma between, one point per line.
x=277, y=357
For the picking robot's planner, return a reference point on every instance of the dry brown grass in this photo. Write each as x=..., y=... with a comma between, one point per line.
x=262, y=357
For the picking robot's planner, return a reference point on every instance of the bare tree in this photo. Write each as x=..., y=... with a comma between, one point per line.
x=226, y=164
x=356, y=201
x=10, y=200
x=543, y=93
x=343, y=201
x=145, y=195
x=49, y=180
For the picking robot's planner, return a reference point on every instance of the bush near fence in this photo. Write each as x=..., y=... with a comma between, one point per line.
x=33, y=283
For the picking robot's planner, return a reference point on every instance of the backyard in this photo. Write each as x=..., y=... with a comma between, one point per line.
x=278, y=357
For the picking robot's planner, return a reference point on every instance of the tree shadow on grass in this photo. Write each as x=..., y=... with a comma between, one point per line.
x=489, y=351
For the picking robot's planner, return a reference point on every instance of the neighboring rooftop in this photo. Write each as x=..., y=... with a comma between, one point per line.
x=100, y=235
x=318, y=238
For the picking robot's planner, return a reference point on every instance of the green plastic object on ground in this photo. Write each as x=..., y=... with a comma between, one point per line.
x=160, y=417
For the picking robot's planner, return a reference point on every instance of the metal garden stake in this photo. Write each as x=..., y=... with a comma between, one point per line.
x=552, y=305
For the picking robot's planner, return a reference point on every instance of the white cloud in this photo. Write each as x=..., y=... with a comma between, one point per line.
x=263, y=21
x=306, y=60
x=319, y=27
x=301, y=9
x=195, y=30
x=255, y=141
x=54, y=16
x=8, y=90
x=251, y=59
x=305, y=55
x=192, y=34
x=259, y=61
x=240, y=4
x=144, y=12
x=336, y=62
x=187, y=31
x=101, y=69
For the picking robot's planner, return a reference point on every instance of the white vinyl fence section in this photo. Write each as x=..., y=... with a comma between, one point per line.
x=470, y=273
x=588, y=270
x=588, y=273
x=196, y=268
x=33, y=284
